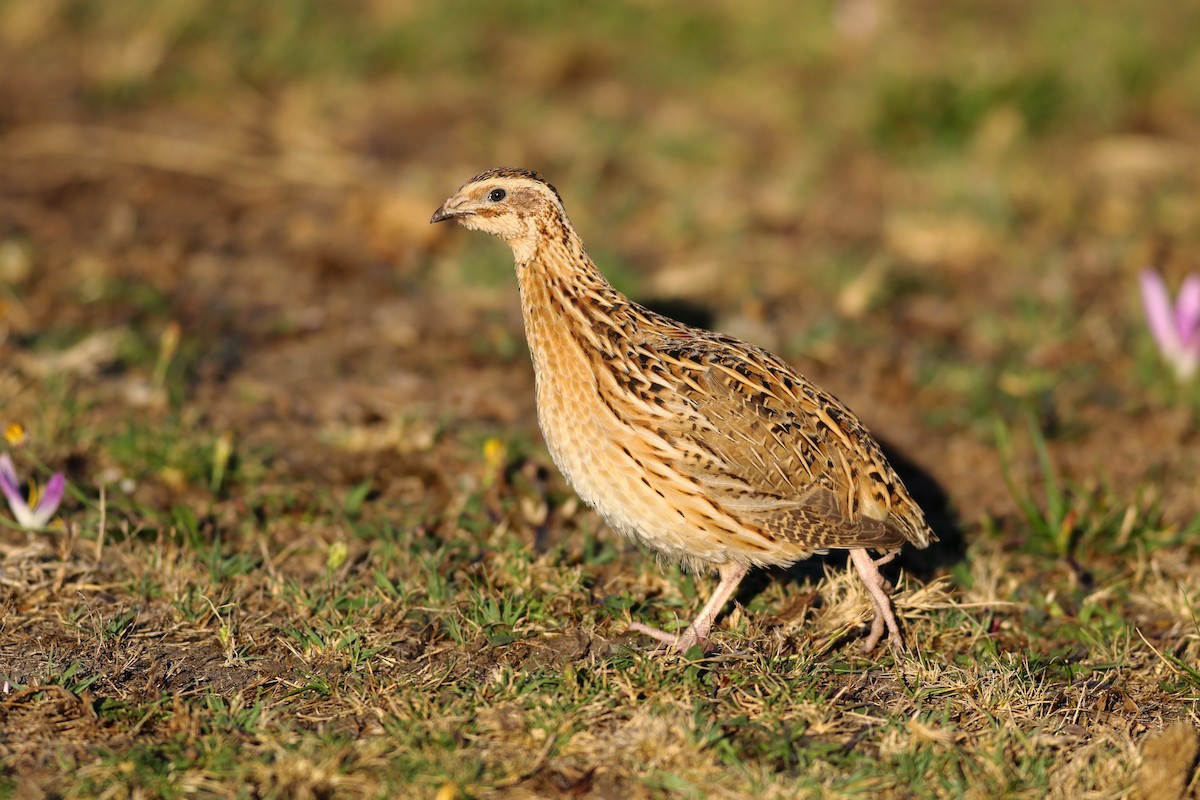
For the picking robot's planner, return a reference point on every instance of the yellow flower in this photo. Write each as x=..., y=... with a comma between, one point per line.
x=14, y=434
x=495, y=454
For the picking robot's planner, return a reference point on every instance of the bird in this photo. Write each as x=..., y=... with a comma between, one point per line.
x=712, y=452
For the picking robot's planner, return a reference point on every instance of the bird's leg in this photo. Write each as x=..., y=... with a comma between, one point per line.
x=697, y=632
x=868, y=570
x=887, y=557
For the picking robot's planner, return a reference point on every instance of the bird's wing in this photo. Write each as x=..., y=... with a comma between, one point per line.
x=768, y=447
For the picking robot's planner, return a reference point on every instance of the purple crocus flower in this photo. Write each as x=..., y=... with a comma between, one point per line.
x=1175, y=326
x=44, y=507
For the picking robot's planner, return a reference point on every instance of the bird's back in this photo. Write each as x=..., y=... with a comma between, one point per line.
x=775, y=449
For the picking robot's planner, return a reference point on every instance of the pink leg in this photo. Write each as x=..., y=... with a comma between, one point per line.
x=868, y=570
x=697, y=632
x=887, y=557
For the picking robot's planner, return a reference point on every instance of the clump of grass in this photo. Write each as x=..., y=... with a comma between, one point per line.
x=1060, y=516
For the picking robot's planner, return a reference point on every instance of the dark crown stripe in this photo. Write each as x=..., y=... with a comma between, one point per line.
x=511, y=172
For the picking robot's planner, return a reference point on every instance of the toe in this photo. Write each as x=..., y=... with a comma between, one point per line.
x=653, y=633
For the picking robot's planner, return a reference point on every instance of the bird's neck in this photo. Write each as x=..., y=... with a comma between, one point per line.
x=557, y=269
x=565, y=300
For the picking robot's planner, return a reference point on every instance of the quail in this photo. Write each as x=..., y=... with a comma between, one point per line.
x=710, y=451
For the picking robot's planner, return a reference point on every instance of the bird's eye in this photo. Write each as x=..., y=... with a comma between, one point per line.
x=496, y=195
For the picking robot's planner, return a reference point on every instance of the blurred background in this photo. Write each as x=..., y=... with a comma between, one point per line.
x=309, y=513
x=938, y=210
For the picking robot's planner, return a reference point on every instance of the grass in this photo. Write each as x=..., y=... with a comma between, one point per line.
x=314, y=546
x=486, y=669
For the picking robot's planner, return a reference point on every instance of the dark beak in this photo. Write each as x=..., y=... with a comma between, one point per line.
x=442, y=214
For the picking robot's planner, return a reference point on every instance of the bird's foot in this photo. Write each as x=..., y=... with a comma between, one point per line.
x=697, y=632
x=674, y=644
x=878, y=627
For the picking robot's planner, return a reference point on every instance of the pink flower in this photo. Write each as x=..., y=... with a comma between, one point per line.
x=44, y=506
x=1176, y=327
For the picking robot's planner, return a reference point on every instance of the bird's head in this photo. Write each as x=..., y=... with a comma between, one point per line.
x=514, y=204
